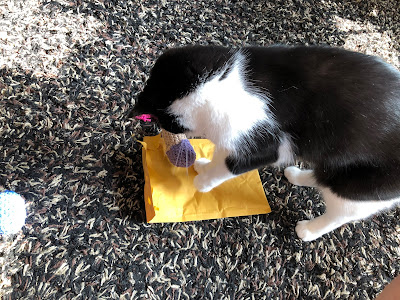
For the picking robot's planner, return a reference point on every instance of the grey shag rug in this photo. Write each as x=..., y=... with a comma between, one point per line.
x=70, y=72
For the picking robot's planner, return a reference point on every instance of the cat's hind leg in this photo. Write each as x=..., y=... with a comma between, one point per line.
x=300, y=177
x=339, y=211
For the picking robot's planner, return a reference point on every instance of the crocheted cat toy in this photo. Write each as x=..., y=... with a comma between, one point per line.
x=12, y=212
x=178, y=148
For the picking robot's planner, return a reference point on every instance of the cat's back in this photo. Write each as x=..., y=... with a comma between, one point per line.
x=321, y=62
x=337, y=100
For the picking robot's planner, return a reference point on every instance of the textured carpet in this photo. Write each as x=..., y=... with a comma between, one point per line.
x=70, y=72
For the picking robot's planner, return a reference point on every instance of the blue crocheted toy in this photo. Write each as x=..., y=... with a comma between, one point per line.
x=12, y=212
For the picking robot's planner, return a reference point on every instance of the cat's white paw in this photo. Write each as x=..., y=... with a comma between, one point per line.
x=202, y=183
x=292, y=173
x=200, y=165
x=300, y=177
x=303, y=231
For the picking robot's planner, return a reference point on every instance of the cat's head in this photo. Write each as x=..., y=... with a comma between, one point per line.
x=177, y=73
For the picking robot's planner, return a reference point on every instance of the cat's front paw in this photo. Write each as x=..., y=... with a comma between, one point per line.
x=202, y=183
x=304, y=232
x=201, y=164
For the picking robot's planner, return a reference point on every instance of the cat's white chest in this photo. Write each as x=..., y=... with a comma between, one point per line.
x=224, y=109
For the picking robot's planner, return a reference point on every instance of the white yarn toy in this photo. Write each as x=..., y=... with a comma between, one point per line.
x=12, y=212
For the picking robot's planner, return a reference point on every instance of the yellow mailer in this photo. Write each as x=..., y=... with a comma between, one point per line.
x=170, y=195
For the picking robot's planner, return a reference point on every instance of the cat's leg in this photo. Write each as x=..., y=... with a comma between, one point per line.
x=300, y=177
x=334, y=217
x=309, y=230
x=224, y=167
x=339, y=211
x=211, y=173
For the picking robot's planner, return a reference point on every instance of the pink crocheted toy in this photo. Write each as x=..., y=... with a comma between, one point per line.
x=179, y=150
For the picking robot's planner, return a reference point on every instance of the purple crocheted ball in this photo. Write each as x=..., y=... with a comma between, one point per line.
x=182, y=154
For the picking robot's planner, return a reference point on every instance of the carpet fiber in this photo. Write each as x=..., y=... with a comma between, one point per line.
x=70, y=72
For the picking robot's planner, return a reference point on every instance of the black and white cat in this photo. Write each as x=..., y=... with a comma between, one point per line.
x=335, y=109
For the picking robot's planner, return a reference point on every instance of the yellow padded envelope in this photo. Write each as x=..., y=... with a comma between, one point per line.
x=170, y=195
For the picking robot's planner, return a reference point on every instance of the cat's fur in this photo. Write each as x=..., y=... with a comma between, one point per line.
x=338, y=110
